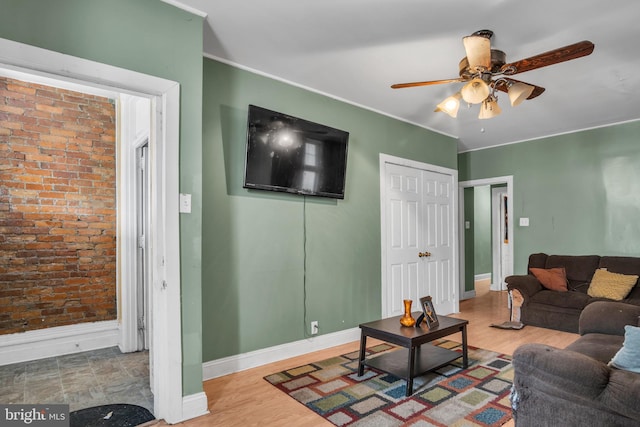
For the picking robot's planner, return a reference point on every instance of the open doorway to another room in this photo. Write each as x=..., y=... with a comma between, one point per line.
x=486, y=240
x=165, y=349
x=67, y=214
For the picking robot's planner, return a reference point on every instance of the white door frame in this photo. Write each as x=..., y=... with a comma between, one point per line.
x=508, y=180
x=386, y=158
x=500, y=257
x=133, y=131
x=28, y=62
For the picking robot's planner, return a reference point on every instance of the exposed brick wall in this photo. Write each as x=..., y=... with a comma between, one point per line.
x=57, y=207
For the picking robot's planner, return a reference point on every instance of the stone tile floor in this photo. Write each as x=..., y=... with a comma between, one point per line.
x=82, y=380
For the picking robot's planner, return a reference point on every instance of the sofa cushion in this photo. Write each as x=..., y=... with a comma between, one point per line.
x=620, y=264
x=601, y=347
x=538, y=260
x=579, y=268
x=615, y=286
x=575, y=300
x=628, y=357
x=554, y=279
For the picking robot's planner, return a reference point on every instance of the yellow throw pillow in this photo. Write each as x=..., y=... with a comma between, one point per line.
x=615, y=286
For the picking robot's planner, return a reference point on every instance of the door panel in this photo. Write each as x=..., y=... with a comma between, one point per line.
x=420, y=238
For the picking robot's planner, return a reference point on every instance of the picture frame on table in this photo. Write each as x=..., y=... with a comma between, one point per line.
x=429, y=312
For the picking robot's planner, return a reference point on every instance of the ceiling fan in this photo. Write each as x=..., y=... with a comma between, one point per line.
x=485, y=71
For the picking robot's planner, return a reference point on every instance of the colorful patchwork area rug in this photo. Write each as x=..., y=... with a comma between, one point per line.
x=449, y=396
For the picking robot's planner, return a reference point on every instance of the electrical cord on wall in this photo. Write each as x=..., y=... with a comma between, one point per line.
x=304, y=264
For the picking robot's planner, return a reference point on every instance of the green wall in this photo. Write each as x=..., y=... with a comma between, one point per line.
x=581, y=191
x=483, y=254
x=254, y=277
x=154, y=38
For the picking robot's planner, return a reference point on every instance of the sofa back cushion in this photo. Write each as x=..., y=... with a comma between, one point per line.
x=620, y=264
x=624, y=265
x=537, y=260
x=579, y=268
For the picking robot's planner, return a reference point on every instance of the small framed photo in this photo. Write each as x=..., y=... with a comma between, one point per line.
x=430, y=316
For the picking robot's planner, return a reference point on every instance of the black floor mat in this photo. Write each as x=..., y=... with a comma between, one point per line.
x=118, y=415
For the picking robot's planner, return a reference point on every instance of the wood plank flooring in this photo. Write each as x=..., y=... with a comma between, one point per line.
x=246, y=399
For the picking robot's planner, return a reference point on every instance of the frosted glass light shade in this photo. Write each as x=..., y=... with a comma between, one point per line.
x=489, y=109
x=478, y=49
x=450, y=105
x=518, y=92
x=475, y=91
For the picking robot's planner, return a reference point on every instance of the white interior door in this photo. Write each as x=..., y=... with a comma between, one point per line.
x=500, y=238
x=418, y=227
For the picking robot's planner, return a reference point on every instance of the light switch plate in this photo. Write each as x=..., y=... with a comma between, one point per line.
x=524, y=222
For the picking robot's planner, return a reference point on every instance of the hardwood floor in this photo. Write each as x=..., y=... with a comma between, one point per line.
x=246, y=399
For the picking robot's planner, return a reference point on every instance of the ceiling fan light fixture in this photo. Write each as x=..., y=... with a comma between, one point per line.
x=518, y=92
x=475, y=91
x=450, y=105
x=478, y=49
x=489, y=108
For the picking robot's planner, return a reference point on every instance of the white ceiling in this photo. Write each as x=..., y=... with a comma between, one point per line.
x=354, y=50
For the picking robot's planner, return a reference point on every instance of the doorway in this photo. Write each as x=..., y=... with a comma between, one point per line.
x=418, y=235
x=501, y=235
x=28, y=62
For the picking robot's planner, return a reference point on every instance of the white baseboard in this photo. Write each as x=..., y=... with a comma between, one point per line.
x=468, y=295
x=194, y=405
x=56, y=341
x=240, y=362
x=482, y=276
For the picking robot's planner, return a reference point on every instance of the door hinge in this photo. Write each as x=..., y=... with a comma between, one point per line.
x=141, y=241
x=141, y=324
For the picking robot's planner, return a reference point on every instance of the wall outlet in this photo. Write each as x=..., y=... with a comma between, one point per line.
x=314, y=327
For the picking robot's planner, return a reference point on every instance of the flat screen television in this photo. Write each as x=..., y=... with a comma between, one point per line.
x=288, y=154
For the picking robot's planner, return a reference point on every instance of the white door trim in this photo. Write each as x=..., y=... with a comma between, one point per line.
x=499, y=256
x=476, y=183
x=384, y=159
x=24, y=62
x=131, y=134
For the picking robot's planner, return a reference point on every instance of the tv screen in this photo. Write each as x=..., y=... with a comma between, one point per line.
x=285, y=153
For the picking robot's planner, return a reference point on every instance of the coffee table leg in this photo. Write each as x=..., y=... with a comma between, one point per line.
x=465, y=354
x=363, y=347
x=412, y=358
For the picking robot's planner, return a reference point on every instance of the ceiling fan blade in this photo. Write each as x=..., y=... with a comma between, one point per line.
x=567, y=53
x=478, y=50
x=537, y=90
x=429, y=83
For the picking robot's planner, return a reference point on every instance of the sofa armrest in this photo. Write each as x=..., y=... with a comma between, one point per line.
x=551, y=370
x=564, y=375
x=608, y=317
x=527, y=284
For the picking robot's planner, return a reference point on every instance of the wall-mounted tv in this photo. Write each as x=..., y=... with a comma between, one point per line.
x=285, y=153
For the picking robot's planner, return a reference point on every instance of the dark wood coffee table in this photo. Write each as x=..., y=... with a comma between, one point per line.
x=419, y=357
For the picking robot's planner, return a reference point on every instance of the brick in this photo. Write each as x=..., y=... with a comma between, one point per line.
x=57, y=142
x=13, y=110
